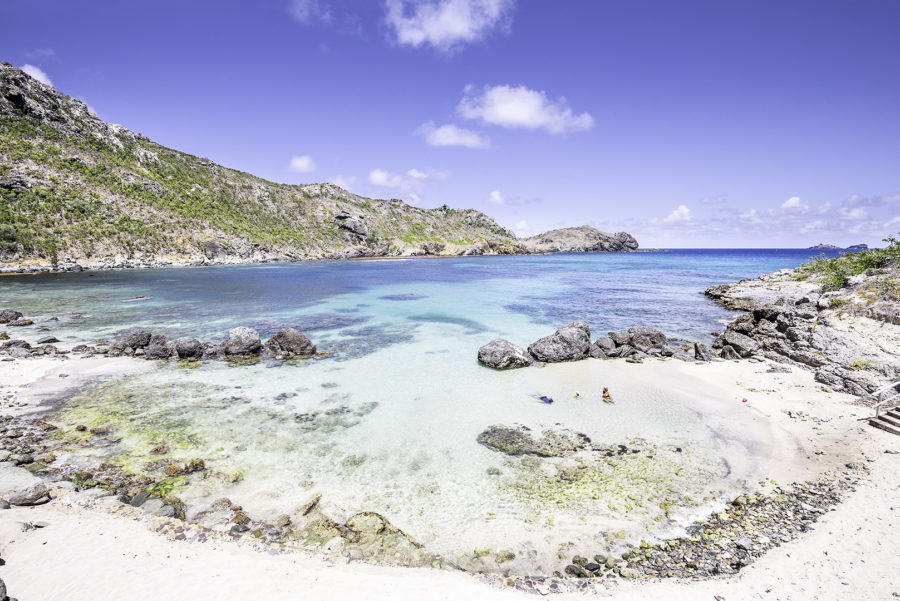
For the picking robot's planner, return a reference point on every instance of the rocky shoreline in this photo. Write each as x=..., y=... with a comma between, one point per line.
x=847, y=337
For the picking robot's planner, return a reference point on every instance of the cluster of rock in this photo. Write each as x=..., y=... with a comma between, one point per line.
x=364, y=535
x=727, y=540
x=552, y=442
x=791, y=322
x=244, y=342
x=579, y=240
x=572, y=342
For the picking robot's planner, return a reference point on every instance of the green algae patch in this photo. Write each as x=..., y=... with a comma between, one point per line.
x=650, y=483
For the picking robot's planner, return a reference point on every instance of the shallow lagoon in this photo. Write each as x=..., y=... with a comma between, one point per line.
x=388, y=422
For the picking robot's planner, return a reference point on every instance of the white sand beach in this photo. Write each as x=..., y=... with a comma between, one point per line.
x=107, y=550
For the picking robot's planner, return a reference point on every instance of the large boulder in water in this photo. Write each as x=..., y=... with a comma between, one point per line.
x=159, y=347
x=8, y=315
x=242, y=341
x=520, y=440
x=188, y=348
x=135, y=340
x=503, y=354
x=290, y=343
x=570, y=343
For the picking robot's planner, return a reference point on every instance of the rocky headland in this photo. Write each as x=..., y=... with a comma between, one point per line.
x=77, y=193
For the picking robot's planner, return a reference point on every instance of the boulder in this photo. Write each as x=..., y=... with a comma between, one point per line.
x=48, y=340
x=242, y=341
x=569, y=343
x=36, y=494
x=135, y=340
x=188, y=348
x=702, y=352
x=619, y=338
x=8, y=315
x=743, y=345
x=605, y=344
x=728, y=352
x=503, y=354
x=644, y=338
x=290, y=343
x=159, y=347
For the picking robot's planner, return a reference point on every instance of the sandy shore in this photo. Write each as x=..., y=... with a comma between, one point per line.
x=112, y=551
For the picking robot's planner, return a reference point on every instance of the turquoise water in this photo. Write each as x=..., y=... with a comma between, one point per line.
x=388, y=421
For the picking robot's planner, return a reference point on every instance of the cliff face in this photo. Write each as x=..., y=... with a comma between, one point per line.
x=74, y=189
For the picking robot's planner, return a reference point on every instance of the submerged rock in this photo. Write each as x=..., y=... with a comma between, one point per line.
x=519, y=440
x=8, y=315
x=242, y=341
x=503, y=354
x=289, y=343
x=569, y=343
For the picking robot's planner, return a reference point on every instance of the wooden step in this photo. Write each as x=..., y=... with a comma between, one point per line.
x=895, y=412
x=890, y=419
x=881, y=425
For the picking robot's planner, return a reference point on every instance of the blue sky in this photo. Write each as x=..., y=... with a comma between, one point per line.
x=689, y=124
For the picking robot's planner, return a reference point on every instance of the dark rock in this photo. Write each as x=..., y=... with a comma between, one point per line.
x=159, y=347
x=597, y=352
x=48, y=340
x=8, y=315
x=20, y=323
x=4, y=504
x=605, y=343
x=188, y=348
x=134, y=340
x=242, y=341
x=520, y=441
x=503, y=354
x=619, y=338
x=643, y=338
x=140, y=498
x=702, y=352
x=570, y=343
x=289, y=343
x=740, y=343
x=729, y=353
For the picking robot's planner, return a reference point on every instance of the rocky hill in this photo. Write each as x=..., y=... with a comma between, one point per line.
x=77, y=191
x=580, y=239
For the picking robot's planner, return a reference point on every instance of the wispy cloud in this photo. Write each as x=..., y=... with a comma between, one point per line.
x=495, y=198
x=452, y=135
x=302, y=164
x=446, y=25
x=411, y=183
x=680, y=215
x=40, y=53
x=343, y=182
x=37, y=73
x=310, y=11
x=715, y=199
x=520, y=107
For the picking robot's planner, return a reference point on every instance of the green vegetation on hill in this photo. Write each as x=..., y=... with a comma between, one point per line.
x=74, y=186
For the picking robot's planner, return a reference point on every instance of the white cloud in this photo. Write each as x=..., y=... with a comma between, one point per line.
x=522, y=229
x=452, y=135
x=411, y=183
x=794, y=204
x=680, y=215
x=416, y=174
x=521, y=107
x=854, y=214
x=445, y=24
x=302, y=164
x=308, y=11
x=495, y=198
x=38, y=74
x=343, y=182
x=715, y=199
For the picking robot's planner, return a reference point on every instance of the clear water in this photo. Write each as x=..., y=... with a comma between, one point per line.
x=388, y=422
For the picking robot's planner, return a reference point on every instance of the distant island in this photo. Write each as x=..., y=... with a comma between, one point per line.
x=855, y=247
x=78, y=192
